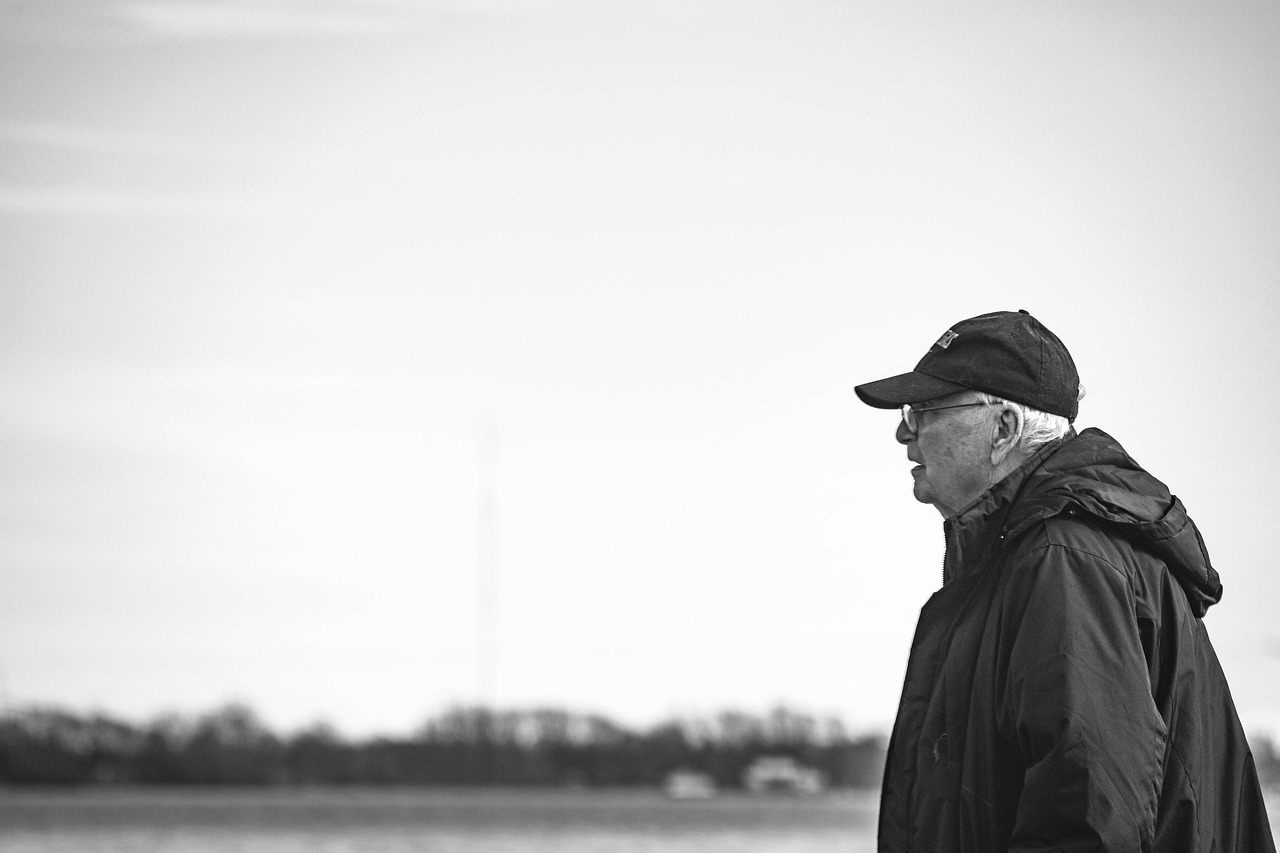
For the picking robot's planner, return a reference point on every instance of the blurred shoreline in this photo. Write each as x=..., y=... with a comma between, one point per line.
x=463, y=746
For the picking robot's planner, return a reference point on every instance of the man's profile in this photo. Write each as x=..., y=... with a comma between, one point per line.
x=1061, y=691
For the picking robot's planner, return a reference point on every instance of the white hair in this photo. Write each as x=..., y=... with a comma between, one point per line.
x=1038, y=428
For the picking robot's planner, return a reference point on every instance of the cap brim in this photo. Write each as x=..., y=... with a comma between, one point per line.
x=913, y=387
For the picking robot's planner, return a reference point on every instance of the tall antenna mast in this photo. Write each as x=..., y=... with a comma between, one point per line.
x=486, y=569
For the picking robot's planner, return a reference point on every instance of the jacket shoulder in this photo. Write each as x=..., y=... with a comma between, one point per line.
x=1077, y=534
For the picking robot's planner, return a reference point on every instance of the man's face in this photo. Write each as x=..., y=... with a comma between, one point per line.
x=953, y=450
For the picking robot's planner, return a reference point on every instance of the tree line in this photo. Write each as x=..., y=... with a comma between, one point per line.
x=459, y=747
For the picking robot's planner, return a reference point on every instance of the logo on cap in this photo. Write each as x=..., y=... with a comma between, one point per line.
x=947, y=337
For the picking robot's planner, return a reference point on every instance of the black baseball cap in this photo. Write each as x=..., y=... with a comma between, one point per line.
x=1007, y=353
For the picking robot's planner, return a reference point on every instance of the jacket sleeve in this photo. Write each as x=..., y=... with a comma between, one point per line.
x=1078, y=706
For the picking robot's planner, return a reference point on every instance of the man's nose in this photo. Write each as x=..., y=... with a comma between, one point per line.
x=902, y=434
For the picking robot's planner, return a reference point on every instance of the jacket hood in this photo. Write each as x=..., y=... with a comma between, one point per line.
x=1092, y=472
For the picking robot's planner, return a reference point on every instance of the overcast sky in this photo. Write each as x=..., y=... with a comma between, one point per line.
x=292, y=290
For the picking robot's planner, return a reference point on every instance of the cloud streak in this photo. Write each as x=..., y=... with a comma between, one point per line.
x=91, y=201
x=97, y=140
x=239, y=20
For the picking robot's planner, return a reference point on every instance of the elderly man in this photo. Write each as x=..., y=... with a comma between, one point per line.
x=1061, y=692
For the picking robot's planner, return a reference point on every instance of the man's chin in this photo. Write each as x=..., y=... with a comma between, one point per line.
x=922, y=494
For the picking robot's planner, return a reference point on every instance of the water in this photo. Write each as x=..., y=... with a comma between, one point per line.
x=428, y=821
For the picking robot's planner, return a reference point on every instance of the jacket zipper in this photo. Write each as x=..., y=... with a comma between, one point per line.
x=945, y=551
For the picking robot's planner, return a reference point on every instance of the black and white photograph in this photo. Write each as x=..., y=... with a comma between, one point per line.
x=775, y=426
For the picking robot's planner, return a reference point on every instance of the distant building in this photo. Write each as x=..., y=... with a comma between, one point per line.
x=782, y=773
x=684, y=784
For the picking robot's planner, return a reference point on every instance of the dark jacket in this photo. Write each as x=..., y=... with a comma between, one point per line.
x=1062, y=693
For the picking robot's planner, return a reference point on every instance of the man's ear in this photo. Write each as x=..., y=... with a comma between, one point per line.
x=1006, y=434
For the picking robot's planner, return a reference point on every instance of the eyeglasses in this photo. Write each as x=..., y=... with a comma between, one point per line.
x=911, y=414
